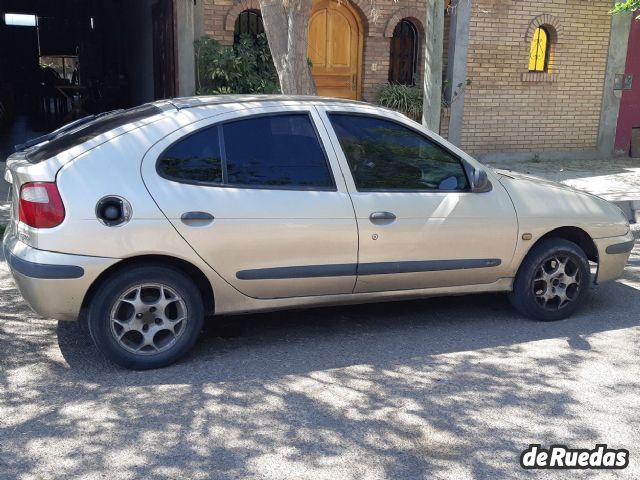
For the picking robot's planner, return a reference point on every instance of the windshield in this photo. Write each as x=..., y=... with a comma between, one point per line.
x=70, y=138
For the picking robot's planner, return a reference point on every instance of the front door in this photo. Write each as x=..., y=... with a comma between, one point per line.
x=419, y=224
x=335, y=45
x=255, y=196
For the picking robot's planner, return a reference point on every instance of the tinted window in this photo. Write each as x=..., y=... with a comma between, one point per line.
x=278, y=150
x=89, y=130
x=388, y=156
x=195, y=158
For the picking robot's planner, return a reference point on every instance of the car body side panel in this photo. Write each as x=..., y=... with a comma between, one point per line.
x=112, y=168
x=545, y=206
x=479, y=229
x=233, y=304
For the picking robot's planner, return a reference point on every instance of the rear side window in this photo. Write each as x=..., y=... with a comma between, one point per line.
x=272, y=151
x=195, y=158
x=90, y=130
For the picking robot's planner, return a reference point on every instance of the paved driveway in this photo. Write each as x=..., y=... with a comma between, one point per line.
x=440, y=388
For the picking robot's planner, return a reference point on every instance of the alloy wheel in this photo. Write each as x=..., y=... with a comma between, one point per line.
x=557, y=282
x=148, y=319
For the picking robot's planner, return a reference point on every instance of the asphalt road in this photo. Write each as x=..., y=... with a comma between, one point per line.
x=440, y=388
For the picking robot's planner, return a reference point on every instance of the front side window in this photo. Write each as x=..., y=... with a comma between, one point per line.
x=276, y=150
x=195, y=158
x=384, y=155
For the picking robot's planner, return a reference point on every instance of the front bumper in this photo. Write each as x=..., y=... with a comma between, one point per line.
x=53, y=284
x=613, y=253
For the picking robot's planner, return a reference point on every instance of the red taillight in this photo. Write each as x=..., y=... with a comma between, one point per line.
x=40, y=205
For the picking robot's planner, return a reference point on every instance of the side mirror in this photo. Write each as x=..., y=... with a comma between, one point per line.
x=480, y=182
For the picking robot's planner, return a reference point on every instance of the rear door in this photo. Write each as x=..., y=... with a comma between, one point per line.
x=256, y=195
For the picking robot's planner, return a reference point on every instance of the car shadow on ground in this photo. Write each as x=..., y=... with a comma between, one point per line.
x=303, y=341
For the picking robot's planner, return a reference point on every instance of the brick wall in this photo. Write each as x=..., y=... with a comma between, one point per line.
x=378, y=24
x=215, y=15
x=509, y=110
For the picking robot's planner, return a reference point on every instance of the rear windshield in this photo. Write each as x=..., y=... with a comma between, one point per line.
x=90, y=130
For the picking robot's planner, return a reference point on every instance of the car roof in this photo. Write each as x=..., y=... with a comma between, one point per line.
x=212, y=100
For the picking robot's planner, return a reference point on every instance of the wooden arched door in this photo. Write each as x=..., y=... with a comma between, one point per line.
x=335, y=49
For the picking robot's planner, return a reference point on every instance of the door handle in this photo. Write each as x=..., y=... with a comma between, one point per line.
x=376, y=217
x=197, y=218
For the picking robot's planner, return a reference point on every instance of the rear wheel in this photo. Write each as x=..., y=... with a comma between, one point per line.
x=146, y=317
x=552, y=282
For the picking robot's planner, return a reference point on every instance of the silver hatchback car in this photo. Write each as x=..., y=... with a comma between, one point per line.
x=146, y=220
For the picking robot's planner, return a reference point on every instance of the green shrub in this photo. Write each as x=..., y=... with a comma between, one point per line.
x=246, y=67
x=402, y=98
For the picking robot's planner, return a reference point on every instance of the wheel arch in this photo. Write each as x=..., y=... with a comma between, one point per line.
x=574, y=235
x=199, y=278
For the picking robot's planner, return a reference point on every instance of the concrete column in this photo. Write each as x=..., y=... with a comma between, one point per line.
x=457, y=67
x=185, y=55
x=198, y=19
x=433, y=65
x=616, y=60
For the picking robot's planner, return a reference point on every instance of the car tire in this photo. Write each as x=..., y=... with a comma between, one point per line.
x=146, y=317
x=552, y=281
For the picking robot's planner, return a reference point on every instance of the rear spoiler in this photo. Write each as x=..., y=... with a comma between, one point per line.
x=62, y=130
x=49, y=136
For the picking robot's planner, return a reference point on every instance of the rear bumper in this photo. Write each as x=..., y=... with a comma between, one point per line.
x=53, y=284
x=613, y=253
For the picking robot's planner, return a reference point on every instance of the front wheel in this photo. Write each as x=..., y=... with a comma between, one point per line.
x=552, y=282
x=146, y=317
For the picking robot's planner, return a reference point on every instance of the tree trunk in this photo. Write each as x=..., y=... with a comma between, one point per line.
x=286, y=24
x=433, y=65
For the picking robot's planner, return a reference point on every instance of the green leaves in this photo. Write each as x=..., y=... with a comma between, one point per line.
x=626, y=6
x=402, y=98
x=246, y=67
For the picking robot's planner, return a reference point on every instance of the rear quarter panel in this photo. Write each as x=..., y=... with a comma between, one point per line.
x=113, y=168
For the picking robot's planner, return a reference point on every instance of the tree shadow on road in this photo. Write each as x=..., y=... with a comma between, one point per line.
x=300, y=341
x=449, y=387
